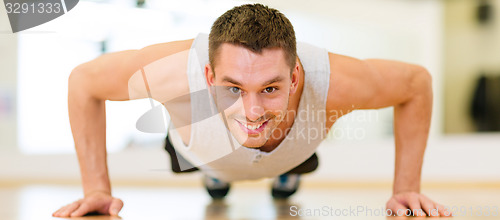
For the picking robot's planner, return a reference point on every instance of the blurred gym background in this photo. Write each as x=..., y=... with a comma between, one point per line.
x=456, y=40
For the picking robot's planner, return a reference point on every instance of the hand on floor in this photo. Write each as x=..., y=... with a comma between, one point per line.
x=419, y=205
x=96, y=202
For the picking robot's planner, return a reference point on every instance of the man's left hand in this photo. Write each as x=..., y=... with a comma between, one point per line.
x=415, y=204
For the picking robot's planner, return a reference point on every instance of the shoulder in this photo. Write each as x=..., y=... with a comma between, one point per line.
x=371, y=83
x=160, y=71
x=347, y=84
x=157, y=52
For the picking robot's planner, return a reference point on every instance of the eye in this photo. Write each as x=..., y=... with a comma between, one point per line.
x=234, y=90
x=270, y=89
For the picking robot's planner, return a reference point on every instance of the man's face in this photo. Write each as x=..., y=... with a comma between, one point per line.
x=252, y=90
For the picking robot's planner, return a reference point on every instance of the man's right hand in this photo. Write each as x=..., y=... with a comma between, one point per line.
x=95, y=202
x=117, y=76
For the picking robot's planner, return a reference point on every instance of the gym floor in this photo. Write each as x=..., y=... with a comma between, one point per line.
x=246, y=201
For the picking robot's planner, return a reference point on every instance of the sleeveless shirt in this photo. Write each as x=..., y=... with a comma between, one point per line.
x=214, y=150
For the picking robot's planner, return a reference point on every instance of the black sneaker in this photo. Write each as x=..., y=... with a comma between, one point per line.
x=285, y=185
x=216, y=189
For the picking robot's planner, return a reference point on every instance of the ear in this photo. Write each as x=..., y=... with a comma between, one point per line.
x=209, y=77
x=295, y=77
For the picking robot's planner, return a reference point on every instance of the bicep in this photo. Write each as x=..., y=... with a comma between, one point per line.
x=103, y=77
x=369, y=84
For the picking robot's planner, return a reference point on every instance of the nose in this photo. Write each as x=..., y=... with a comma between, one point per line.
x=253, y=107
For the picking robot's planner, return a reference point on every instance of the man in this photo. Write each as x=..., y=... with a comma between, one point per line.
x=255, y=82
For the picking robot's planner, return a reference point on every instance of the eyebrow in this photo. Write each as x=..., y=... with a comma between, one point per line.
x=273, y=80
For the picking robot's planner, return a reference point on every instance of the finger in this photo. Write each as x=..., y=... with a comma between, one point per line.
x=415, y=207
x=69, y=209
x=443, y=211
x=82, y=210
x=397, y=208
x=58, y=212
x=429, y=207
x=115, y=207
x=55, y=214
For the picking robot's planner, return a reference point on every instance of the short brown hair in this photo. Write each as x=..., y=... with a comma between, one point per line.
x=255, y=27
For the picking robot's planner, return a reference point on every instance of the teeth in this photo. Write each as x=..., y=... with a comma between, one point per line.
x=252, y=127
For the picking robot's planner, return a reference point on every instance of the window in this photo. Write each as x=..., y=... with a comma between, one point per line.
x=49, y=52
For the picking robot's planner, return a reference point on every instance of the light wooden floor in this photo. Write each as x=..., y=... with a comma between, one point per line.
x=37, y=202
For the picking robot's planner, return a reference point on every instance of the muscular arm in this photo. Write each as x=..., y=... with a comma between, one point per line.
x=108, y=78
x=90, y=85
x=118, y=77
x=375, y=83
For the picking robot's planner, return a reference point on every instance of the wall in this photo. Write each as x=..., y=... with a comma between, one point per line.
x=8, y=70
x=404, y=30
x=469, y=49
x=394, y=29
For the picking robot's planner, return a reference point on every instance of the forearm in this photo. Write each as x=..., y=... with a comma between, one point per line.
x=411, y=129
x=88, y=124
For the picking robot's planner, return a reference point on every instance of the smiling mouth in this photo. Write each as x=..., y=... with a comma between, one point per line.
x=252, y=129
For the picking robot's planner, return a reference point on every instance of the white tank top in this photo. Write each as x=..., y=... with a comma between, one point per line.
x=214, y=150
